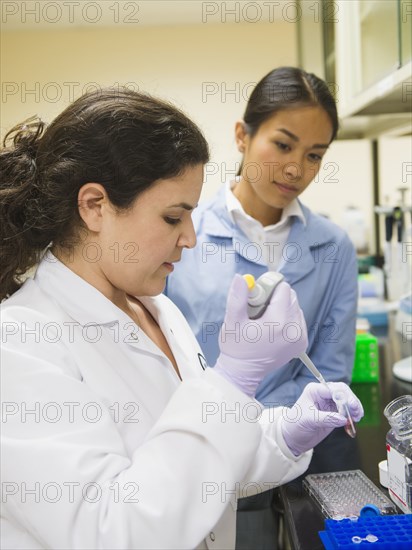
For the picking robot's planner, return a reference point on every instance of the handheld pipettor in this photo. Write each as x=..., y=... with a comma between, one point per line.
x=260, y=293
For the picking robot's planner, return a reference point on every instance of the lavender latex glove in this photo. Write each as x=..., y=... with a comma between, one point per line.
x=315, y=415
x=251, y=349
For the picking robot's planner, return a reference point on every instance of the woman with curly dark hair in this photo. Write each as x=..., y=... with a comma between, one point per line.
x=113, y=434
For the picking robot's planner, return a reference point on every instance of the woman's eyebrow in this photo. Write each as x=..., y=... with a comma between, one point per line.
x=289, y=134
x=182, y=205
x=295, y=138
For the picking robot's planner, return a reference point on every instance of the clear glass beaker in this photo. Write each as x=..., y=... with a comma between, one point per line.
x=399, y=451
x=399, y=415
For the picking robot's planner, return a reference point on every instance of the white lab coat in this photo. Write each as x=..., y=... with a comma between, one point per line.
x=103, y=446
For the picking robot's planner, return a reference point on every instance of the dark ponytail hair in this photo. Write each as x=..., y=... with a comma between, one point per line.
x=122, y=139
x=288, y=88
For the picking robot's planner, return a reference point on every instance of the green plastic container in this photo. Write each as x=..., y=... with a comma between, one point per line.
x=366, y=368
x=370, y=397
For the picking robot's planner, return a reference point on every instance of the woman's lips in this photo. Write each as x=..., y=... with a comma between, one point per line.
x=286, y=188
x=169, y=266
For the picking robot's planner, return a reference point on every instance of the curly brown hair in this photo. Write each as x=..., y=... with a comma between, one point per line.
x=122, y=139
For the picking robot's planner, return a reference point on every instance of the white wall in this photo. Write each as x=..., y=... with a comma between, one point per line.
x=208, y=70
x=395, y=169
x=345, y=179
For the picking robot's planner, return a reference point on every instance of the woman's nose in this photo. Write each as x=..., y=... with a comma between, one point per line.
x=292, y=170
x=187, y=238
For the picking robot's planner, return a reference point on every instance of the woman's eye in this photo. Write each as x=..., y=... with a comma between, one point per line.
x=314, y=157
x=172, y=221
x=282, y=146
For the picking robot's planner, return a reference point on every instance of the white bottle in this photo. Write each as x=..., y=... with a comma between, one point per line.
x=353, y=221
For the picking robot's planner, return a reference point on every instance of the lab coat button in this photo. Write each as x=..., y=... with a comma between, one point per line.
x=134, y=336
x=212, y=536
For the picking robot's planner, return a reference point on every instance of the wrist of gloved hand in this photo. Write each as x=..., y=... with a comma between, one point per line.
x=228, y=367
x=314, y=416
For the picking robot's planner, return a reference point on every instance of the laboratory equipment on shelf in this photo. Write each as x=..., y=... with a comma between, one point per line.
x=399, y=451
x=260, y=293
x=354, y=223
x=371, y=301
x=403, y=325
x=397, y=266
x=366, y=365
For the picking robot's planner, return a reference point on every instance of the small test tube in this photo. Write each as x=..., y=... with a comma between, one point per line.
x=344, y=411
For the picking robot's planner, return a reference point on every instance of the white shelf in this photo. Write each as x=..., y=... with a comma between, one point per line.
x=375, y=126
x=371, y=8
x=392, y=94
x=387, y=102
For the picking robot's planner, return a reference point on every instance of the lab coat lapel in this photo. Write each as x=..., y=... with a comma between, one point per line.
x=218, y=224
x=250, y=251
x=186, y=358
x=298, y=260
x=91, y=307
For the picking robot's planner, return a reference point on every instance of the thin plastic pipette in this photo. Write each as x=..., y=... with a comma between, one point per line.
x=349, y=426
x=309, y=364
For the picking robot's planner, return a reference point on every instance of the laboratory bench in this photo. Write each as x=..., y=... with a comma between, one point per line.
x=301, y=518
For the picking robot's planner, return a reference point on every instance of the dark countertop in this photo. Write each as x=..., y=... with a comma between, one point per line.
x=339, y=452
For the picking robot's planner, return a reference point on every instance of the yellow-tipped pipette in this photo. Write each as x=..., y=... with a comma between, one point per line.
x=260, y=293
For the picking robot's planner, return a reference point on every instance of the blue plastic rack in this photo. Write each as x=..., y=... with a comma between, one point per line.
x=373, y=532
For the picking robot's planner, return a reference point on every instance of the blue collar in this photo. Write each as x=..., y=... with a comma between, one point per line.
x=217, y=222
x=302, y=238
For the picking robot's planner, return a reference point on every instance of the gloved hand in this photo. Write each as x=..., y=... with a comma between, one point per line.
x=315, y=415
x=251, y=349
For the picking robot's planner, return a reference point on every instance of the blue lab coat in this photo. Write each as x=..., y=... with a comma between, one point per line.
x=319, y=262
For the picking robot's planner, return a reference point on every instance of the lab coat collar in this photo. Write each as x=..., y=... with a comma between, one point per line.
x=87, y=306
x=298, y=241
x=217, y=222
x=90, y=306
x=235, y=208
x=82, y=301
x=304, y=236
